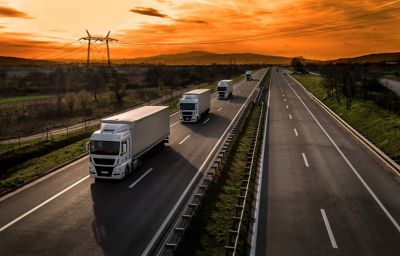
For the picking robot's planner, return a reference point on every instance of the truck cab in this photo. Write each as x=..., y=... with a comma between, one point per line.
x=109, y=152
x=249, y=76
x=225, y=89
x=194, y=104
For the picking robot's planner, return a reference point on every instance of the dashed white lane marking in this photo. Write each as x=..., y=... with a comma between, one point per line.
x=305, y=160
x=219, y=109
x=295, y=132
x=187, y=137
x=290, y=116
x=328, y=228
x=287, y=107
x=208, y=119
x=141, y=177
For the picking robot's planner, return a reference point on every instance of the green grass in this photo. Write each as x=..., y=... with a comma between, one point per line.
x=20, y=163
x=5, y=102
x=393, y=77
x=378, y=125
x=38, y=166
x=208, y=232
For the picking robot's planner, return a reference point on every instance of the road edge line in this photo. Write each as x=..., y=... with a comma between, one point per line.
x=385, y=159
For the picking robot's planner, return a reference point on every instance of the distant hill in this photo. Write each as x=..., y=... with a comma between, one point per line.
x=14, y=61
x=207, y=58
x=371, y=58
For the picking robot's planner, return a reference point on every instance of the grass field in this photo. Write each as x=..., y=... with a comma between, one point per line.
x=208, y=232
x=24, y=99
x=379, y=126
x=23, y=162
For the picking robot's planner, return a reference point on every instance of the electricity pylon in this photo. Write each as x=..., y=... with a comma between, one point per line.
x=106, y=39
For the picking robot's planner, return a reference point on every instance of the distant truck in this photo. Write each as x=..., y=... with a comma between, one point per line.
x=225, y=89
x=194, y=105
x=249, y=76
x=119, y=146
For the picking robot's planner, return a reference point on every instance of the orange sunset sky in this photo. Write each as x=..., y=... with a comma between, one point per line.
x=317, y=29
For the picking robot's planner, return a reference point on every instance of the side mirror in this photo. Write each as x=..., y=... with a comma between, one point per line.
x=87, y=146
x=177, y=106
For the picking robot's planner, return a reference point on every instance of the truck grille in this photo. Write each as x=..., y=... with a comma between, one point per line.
x=104, y=171
x=222, y=94
x=186, y=113
x=103, y=161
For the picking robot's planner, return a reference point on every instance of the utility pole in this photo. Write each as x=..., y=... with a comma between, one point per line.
x=106, y=39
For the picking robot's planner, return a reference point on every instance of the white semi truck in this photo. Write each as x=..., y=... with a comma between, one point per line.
x=225, y=89
x=194, y=105
x=118, y=147
x=249, y=75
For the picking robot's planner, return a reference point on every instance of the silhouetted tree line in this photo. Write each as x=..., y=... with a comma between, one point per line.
x=351, y=81
x=81, y=93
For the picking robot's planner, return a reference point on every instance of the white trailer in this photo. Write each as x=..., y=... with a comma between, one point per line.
x=249, y=75
x=194, y=105
x=118, y=147
x=225, y=89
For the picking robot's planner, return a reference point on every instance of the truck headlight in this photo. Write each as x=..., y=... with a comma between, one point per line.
x=117, y=170
x=92, y=169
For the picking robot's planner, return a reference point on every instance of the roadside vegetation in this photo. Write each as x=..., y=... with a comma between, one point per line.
x=361, y=101
x=208, y=232
x=36, y=99
x=20, y=163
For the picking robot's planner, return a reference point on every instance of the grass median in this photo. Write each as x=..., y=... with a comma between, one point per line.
x=378, y=125
x=208, y=232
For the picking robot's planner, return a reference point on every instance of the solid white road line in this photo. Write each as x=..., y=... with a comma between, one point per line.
x=187, y=137
x=328, y=228
x=290, y=116
x=183, y=195
x=208, y=119
x=295, y=132
x=42, y=204
x=305, y=160
x=219, y=109
x=394, y=222
x=141, y=177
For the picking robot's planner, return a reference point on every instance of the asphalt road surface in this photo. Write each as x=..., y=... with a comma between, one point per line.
x=322, y=192
x=68, y=213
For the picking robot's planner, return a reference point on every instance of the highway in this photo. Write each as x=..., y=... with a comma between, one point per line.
x=68, y=213
x=323, y=193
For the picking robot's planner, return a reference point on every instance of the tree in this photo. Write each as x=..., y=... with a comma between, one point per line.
x=70, y=100
x=298, y=63
x=83, y=99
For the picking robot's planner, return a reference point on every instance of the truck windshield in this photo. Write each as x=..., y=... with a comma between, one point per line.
x=104, y=147
x=187, y=106
x=222, y=89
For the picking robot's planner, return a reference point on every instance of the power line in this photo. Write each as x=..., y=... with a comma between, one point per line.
x=278, y=34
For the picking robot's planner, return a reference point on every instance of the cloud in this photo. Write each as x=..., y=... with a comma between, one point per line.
x=8, y=12
x=185, y=20
x=148, y=12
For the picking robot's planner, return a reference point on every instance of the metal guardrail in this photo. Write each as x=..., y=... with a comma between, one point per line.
x=182, y=223
x=241, y=206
